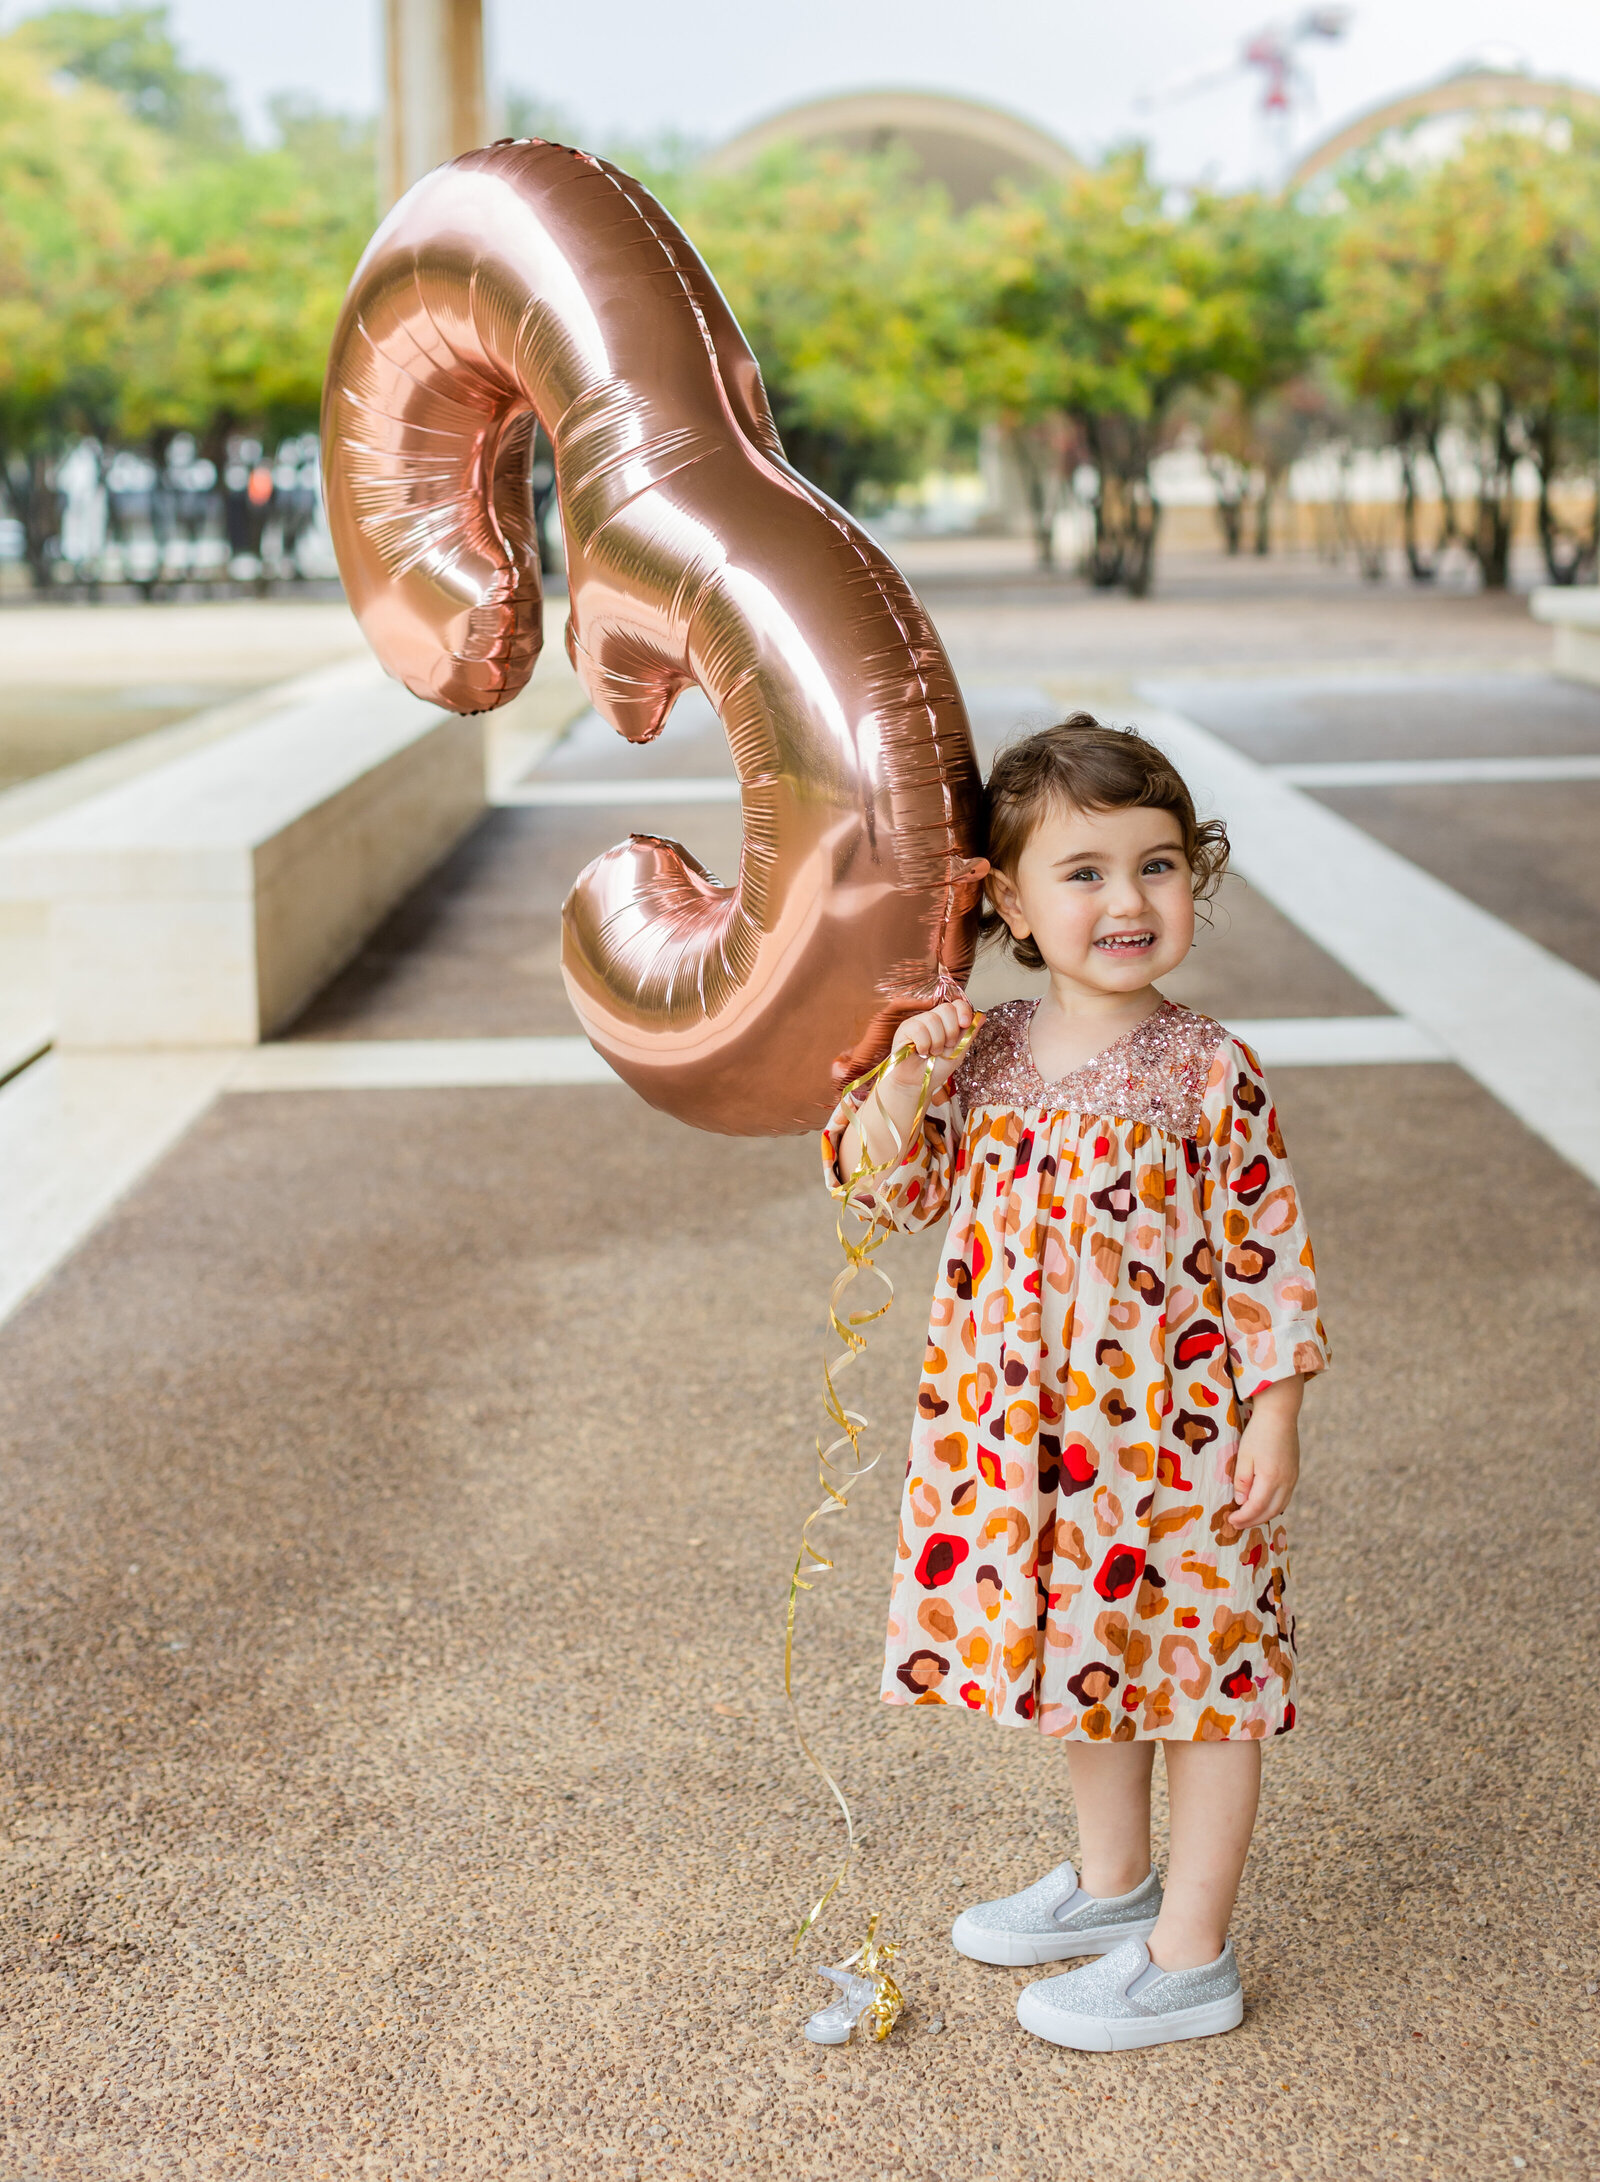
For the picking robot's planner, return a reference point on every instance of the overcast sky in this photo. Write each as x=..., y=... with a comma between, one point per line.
x=1081, y=67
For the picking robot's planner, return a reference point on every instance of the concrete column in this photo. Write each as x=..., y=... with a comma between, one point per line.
x=434, y=93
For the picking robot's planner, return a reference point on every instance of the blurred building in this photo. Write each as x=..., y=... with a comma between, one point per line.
x=968, y=147
x=1428, y=124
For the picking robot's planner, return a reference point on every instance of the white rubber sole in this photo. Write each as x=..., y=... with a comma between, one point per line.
x=1123, y=2033
x=1027, y=1950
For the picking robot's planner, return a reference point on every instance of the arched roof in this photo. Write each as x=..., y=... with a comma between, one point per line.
x=964, y=145
x=1472, y=91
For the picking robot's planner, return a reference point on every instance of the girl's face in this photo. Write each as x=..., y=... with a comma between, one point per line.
x=1106, y=896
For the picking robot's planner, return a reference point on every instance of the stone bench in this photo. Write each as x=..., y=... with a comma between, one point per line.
x=205, y=902
x=1574, y=614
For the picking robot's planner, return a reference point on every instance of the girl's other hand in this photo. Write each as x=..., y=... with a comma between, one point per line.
x=1268, y=1465
x=933, y=1035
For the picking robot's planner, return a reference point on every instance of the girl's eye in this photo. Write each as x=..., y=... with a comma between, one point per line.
x=1161, y=863
x=1087, y=872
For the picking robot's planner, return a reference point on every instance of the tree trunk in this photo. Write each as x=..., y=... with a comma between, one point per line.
x=1568, y=555
x=1042, y=517
x=1106, y=552
x=1270, y=481
x=1495, y=512
x=1424, y=567
x=1039, y=448
x=1127, y=517
x=1231, y=485
x=1491, y=542
x=1369, y=546
x=1127, y=514
x=1416, y=439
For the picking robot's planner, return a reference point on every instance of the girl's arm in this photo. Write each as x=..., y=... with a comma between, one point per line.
x=1266, y=1281
x=884, y=1123
x=1265, y=1272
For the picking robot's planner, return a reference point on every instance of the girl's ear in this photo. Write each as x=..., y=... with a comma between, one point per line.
x=1003, y=893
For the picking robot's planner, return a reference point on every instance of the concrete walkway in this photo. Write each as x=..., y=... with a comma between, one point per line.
x=400, y=1492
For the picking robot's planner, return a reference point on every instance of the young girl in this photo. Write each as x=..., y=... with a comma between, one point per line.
x=1091, y=1535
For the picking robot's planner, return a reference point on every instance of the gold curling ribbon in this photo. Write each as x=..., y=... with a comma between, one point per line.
x=840, y=1468
x=874, y=1959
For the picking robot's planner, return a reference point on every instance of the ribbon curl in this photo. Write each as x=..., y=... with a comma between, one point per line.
x=840, y=1468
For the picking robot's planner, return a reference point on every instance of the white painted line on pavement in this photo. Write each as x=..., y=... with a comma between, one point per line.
x=599, y=794
x=1433, y=772
x=419, y=1064
x=1513, y=1015
x=461, y=1064
x=76, y=1132
x=1337, y=1041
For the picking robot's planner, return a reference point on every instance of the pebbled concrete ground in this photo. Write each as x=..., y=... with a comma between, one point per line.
x=401, y=1785
x=1375, y=712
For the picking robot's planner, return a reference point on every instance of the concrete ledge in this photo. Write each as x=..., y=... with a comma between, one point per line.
x=204, y=903
x=1574, y=614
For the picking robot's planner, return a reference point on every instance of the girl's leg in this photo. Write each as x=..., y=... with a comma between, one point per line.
x=1212, y=1789
x=1111, y=1788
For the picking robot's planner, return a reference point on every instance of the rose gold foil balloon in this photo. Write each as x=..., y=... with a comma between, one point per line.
x=532, y=281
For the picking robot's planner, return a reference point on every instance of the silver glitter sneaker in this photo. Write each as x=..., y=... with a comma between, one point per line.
x=1126, y=2000
x=1053, y=1920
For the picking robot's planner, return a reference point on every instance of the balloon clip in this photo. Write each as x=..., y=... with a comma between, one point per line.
x=868, y=1996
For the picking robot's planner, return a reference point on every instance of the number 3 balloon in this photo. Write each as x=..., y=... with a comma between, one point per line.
x=532, y=281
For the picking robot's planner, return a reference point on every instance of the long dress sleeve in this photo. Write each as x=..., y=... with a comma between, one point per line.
x=1259, y=1242
x=916, y=1190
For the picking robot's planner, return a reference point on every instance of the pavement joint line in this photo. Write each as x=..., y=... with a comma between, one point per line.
x=1434, y=772
x=1518, y=1019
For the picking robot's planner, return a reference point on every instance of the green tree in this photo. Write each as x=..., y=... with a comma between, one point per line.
x=157, y=274
x=71, y=165
x=130, y=52
x=839, y=269
x=1263, y=406
x=1098, y=306
x=1465, y=300
x=253, y=251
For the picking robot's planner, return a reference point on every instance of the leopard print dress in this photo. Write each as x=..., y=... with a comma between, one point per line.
x=1126, y=1261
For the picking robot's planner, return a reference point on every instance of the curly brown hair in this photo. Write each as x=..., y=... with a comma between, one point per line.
x=1086, y=766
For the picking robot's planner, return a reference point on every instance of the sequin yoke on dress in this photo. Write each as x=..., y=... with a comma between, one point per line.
x=1156, y=1073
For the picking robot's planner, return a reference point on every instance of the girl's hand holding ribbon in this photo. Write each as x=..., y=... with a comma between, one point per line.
x=934, y=1035
x=927, y=1050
